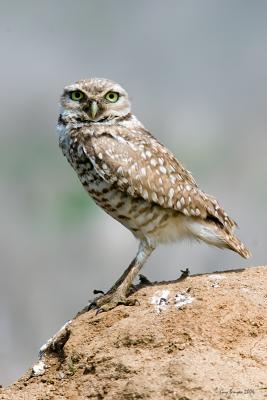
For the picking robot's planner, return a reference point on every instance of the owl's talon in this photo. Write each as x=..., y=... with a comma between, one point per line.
x=97, y=291
x=184, y=273
x=92, y=305
x=144, y=280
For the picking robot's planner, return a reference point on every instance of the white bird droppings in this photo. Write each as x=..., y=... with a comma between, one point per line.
x=182, y=299
x=163, y=299
x=160, y=300
x=39, y=368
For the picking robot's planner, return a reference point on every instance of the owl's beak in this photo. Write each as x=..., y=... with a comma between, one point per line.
x=94, y=108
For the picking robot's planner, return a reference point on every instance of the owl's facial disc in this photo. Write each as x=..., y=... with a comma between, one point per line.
x=95, y=100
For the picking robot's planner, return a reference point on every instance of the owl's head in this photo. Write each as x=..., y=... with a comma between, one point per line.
x=95, y=100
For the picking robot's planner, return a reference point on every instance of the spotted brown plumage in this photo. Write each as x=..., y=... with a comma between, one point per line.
x=135, y=178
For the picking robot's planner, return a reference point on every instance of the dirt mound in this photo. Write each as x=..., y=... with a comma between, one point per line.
x=203, y=337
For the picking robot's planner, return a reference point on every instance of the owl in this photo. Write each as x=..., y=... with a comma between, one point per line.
x=135, y=179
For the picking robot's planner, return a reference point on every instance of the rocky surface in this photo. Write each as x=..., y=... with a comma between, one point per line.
x=202, y=337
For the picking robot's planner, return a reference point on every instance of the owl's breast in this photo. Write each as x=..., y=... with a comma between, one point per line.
x=142, y=218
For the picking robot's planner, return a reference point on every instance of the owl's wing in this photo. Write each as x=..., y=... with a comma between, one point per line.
x=145, y=168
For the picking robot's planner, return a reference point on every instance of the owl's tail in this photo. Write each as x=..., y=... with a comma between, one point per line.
x=213, y=234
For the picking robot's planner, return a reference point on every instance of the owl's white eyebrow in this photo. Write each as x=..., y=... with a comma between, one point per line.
x=67, y=90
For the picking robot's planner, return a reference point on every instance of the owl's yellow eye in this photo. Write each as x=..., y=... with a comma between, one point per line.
x=112, y=97
x=76, y=95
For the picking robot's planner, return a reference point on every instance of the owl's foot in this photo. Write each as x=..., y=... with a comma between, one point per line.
x=144, y=280
x=109, y=301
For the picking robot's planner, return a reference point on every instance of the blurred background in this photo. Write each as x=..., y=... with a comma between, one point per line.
x=196, y=72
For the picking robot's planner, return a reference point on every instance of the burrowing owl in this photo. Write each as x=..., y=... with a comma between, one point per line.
x=134, y=178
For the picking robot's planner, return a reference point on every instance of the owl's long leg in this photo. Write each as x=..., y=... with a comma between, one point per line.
x=118, y=292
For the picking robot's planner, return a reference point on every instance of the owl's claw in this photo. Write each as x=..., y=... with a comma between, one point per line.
x=144, y=280
x=92, y=306
x=97, y=291
x=184, y=274
x=109, y=301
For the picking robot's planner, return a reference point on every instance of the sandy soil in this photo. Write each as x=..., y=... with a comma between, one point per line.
x=205, y=337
